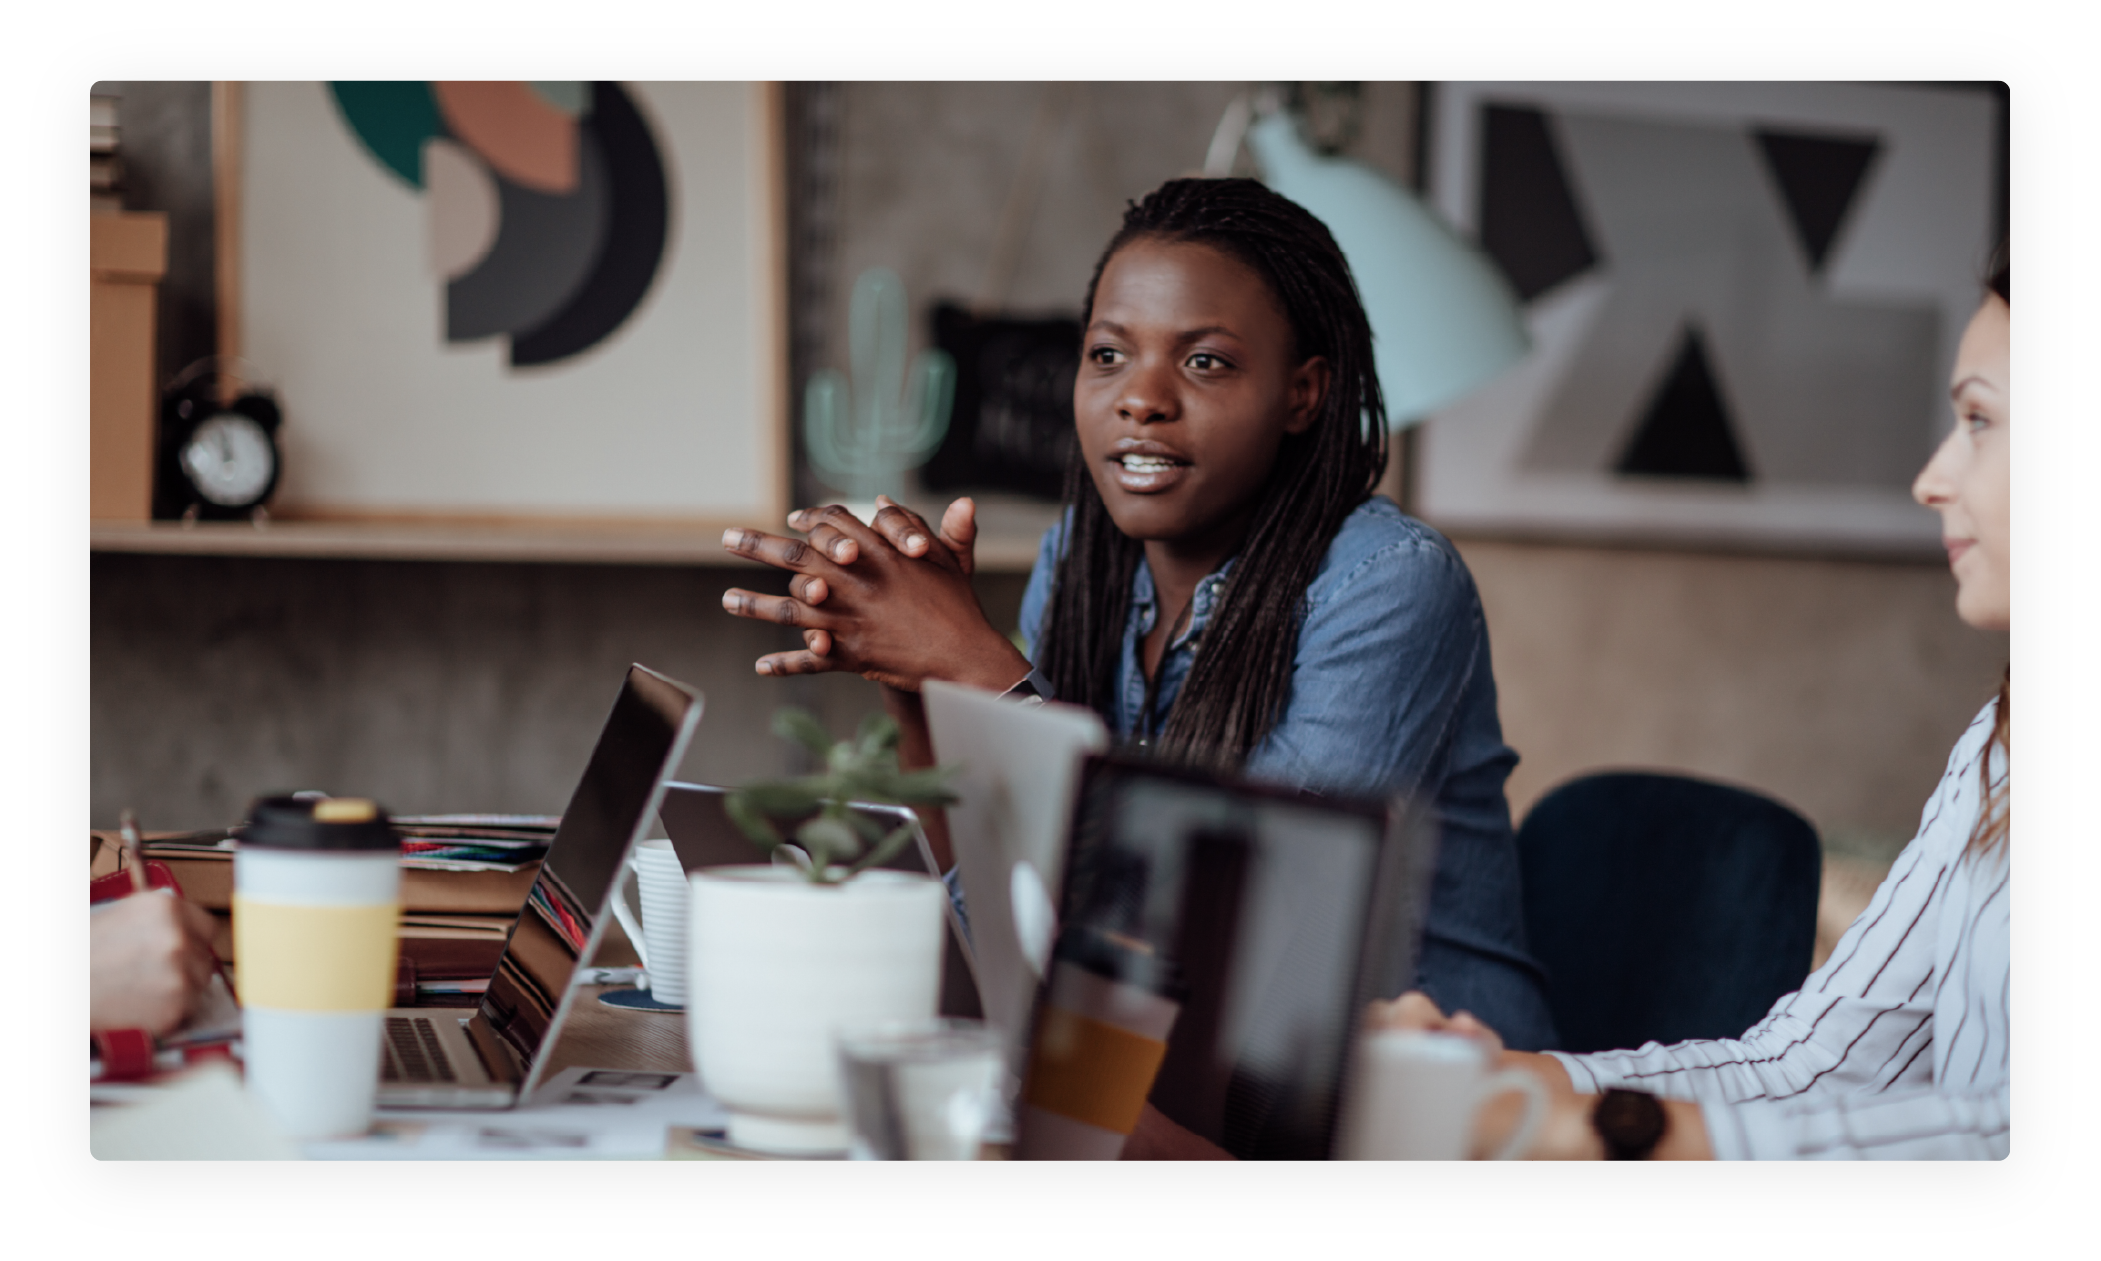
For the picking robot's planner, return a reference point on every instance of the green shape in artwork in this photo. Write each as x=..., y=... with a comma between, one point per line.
x=571, y=96
x=392, y=118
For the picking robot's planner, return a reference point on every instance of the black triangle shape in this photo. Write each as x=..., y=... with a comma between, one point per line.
x=1529, y=221
x=1819, y=177
x=1686, y=430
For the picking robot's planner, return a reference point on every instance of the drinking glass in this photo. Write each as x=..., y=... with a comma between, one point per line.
x=920, y=1089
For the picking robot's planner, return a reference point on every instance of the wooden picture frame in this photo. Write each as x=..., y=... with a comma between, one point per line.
x=332, y=292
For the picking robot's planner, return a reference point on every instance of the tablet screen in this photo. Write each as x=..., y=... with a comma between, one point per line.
x=1218, y=942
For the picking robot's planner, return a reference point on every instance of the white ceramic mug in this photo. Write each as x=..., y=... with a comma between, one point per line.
x=659, y=931
x=1415, y=1095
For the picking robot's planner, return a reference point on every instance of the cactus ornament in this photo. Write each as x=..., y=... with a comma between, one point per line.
x=864, y=435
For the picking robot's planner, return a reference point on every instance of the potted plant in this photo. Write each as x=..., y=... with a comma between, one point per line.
x=782, y=955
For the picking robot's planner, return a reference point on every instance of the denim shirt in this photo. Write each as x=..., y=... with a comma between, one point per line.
x=1391, y=693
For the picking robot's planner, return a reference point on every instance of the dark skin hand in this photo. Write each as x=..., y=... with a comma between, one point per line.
x=896, y=557
x=890, y=612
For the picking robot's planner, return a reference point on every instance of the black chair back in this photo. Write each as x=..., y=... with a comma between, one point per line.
x=1665, y=908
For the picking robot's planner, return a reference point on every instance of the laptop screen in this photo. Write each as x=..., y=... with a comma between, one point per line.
x=1218, y=943
x=638, y=750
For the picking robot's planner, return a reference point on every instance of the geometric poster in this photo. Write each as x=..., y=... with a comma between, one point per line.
x=506, y=301
x=547, y=202
x=1743, y=300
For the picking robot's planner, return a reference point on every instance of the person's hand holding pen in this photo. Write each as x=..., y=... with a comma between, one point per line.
x=149, y=956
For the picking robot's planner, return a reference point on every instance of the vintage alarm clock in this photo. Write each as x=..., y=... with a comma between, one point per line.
x=218, y=459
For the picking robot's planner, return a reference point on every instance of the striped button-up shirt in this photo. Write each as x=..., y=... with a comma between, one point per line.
x=1897, y=1046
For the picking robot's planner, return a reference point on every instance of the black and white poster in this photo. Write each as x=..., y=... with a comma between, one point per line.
x=1744, y=301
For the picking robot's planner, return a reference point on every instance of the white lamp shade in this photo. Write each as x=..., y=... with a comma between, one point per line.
x=1443, y=319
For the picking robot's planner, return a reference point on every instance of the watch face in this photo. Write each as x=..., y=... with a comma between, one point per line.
x=230, y=459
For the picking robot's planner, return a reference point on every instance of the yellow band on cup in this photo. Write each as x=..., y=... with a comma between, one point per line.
x=315, y=958
x=1092, y=1072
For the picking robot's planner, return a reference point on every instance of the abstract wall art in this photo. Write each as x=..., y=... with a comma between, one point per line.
x=547, y=203
x=519, y=299
x=1744, y=301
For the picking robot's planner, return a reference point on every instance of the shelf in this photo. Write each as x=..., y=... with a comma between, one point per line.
x=1007, y=540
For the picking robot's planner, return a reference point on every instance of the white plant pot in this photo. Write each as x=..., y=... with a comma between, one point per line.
x=776, y=966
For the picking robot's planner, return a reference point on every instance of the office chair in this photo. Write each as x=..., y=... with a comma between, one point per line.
x=1664, y=907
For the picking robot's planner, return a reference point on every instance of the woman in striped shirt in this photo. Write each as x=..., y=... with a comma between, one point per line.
x=1897, y=1046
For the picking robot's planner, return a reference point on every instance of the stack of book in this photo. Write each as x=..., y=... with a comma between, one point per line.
x=105, y=167
x=452, y=865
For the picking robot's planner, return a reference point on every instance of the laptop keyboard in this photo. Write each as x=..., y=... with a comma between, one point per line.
x=414, y=1054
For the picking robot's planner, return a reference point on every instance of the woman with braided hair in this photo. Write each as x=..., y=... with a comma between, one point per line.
x=1225, y=588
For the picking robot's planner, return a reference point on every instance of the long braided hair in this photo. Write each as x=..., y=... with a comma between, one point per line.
x=1241, y=677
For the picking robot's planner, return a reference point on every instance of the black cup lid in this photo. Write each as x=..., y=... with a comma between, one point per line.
x=318, y=823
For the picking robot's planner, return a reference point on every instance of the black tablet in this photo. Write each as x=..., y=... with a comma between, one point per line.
x=1218, y=943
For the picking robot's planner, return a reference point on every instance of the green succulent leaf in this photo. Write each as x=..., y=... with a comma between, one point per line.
x=884, y=850
x=799, y=726
x=827, y=838
x=756, y=826
x=878, y=734
x=783, y=798
x=927, y=787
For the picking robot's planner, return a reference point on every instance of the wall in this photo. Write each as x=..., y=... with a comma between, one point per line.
x=429, y=686
x=165, y=138
x=1837, y=685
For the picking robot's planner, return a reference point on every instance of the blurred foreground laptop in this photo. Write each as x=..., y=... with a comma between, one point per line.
x=1018, y=766
x=436, y=1058
x=1218, y=942
x=703, y=835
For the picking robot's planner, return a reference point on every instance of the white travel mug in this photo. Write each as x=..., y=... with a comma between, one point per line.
x=316, y=915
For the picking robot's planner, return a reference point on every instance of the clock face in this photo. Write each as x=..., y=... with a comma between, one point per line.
x=230, y=460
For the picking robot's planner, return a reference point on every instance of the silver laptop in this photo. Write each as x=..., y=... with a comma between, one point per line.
x=1019, y=769
x=702, y=835
x=436, y=1058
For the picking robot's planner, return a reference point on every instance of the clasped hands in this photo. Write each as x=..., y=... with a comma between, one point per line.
x=890, y=599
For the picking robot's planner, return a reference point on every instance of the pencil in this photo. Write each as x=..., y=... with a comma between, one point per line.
x=134, y=855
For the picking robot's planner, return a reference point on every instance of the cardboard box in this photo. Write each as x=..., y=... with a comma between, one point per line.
x=127, y=256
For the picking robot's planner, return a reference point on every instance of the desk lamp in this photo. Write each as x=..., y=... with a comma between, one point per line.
x=1443, y=318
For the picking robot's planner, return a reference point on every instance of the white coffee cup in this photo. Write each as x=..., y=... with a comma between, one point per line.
x=1415, y=1095
x=658, y=929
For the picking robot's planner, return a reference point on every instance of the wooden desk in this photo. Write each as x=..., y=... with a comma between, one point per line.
x=598, y=1036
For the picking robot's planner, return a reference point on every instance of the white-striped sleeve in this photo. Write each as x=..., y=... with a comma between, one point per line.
x=1918, y=1124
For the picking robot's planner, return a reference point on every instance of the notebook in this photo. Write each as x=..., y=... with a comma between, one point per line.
x=436, y=1058
x=1218, y=942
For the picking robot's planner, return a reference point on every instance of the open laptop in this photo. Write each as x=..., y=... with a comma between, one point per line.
x=703, y=835
x=1018, y=768
x=1218, y=943
x=434, y=1057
